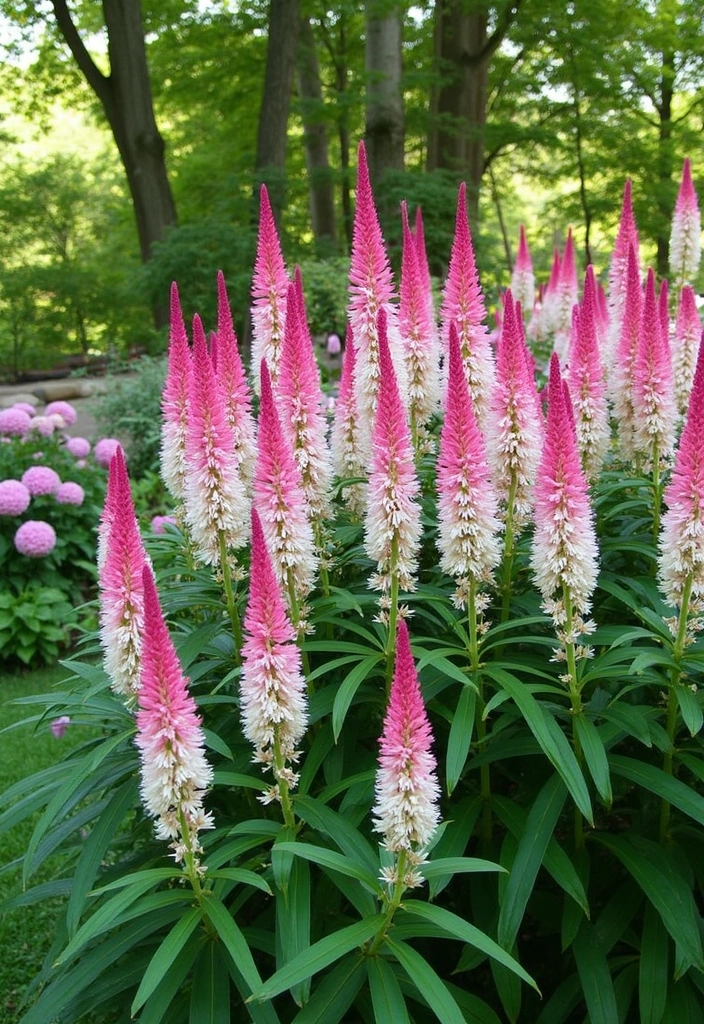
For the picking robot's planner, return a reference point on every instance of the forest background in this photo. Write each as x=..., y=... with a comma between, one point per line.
x=135, y=135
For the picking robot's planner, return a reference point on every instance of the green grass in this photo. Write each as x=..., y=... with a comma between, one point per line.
x=25, y=933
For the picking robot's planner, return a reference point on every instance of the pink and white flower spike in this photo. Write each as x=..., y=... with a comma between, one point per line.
x=344, y=437
x=654, y=407
x=233, y=381
x=685, y=347
x=585, y=377
x=523, y=278
x=625, y=355
x=618, y=272
x=686, y=233
x=269, y=288
x=174, y=403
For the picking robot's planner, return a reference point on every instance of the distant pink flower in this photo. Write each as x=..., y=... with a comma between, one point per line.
x=14, y=421
x=467, y=503
x=344, y=437
x=25, y=407
x=120, y=584
x=407, y=792
x=280, y=501
x=233, y=381
x=585, y=378
x=159, y=523
x=653, y=383
x=272, y=689
x=104, y=451
x=618, y=272
x=215, y=497
x=685, y=347
x=44, y=425
x=35, y=538
x=333, y=345
x=523, y=278
x=70, y=493
x=463, y=305
x=686, y=234
x=566, y=298
x=41, y=480
x=60, y=725
x=564, y=555
x=174, y=402
x=624, y=358
x=79, y=447
x=65, y=410
x=416, y=321
x=14, y=498
x=392, y=527
x=550, y=298
x=269, y=287
x=175, y=773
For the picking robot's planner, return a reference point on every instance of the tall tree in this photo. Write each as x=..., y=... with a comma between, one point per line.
x=384, y=131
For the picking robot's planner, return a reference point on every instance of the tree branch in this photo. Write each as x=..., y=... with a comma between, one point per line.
x=506, y=19
x=99, y=83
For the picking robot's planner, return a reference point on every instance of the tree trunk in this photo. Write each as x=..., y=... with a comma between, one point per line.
x=665, y=162
x=126, y=98
x=315, y=139
x=384, y=132
x=270, y=163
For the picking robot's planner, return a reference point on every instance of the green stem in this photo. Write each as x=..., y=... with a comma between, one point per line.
x=394, y=904
x=230, y=596
x=284, y=794
x=657, y=497
x=509, y=550
x=575, y=702
x=672, y=702
x=189, y=857
x=484, y=771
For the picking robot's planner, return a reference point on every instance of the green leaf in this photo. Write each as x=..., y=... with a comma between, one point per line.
x=659, y=782
x=550, y=737
x=460, y=737
x=689, y=708
x=595, y=755
x=210, y=991
x=539, y=829
x=244, y=876
x=387, y=998
x=293, y=923
x=237, y=780
x=335, y=994
x=323, y=952
x=653, y=971
x=466, y=932
x=630, y=719
x=595, y=977
x=334, y=825
x=457, y=865
x=165, y=956
x=336, y=862
x=348, y=688
x=427, y=983
x=233, y=940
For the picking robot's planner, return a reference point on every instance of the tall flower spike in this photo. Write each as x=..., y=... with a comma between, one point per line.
x=681, y=555
x=233, y=381
x=272, y=689
x=216, y=501
x=174, y=403
x=117, y=481
x=523, y=278
x=549, y=312
x=463, y=305
x=301, y=404
x=280, y=501
x=344, y=438
x=269, y=288
x=418, y=330
x=175, y=773
x=407, y=793
x=622, y=373
x=567, y=297
x=585, y=378
x=653, y=385
x=515, y=433
x=120, y=585
x=371, y=289
x=564, y=551
x=664, y=309
x=685, y=347
x=467, y=503
x=686, y=233
x=422, y=256
x=392, y=528
x=618, y=272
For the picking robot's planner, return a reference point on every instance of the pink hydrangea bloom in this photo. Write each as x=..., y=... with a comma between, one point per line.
x=272, y=689
x=14, y=498
x=269, y=288
x=79, y=447
x=41, y=480
x=104, y=451
x=174, y=402
x=159, y=523
x=344, y=438
x=70, y=493
x=35, y=538
x=407, y=792
x=65, y=410
x=44, y=425
x=685, y=347
x=14, y=421
x=25, y=407
x=175, y=773
x=686, y=234
x=523, y=278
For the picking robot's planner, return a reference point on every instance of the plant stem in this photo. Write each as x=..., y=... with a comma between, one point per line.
x=484, y=771
x=230, y=596
x=575, y=701
x=189, y=857
x=675, y=681
x=284, y=794
x=509, y=550
x=394, y=904
x=657, y=497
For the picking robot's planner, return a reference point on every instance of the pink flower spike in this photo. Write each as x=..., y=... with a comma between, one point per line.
x=551, y=297
x=214, y=496
x=344, y=437
x=664, y=309
x=269, y=287
x=422, y=258
x=417, y=325
x=564, y=550
x=407, y=792
x=463, y=305
x=118, y=481
x=281, y=503
x=392, y=528
x=618, y=272
x=272, y=688
x=303, y=406
x=236, y=392
x=174, y=772
x=566, y=297
x=653, y=384
x=585, y=378
x=467, y=503
x=625, y=354
x=523, y=278
x=685, y=347
x=686, y=233
x=174, y=403
x=120, y=584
